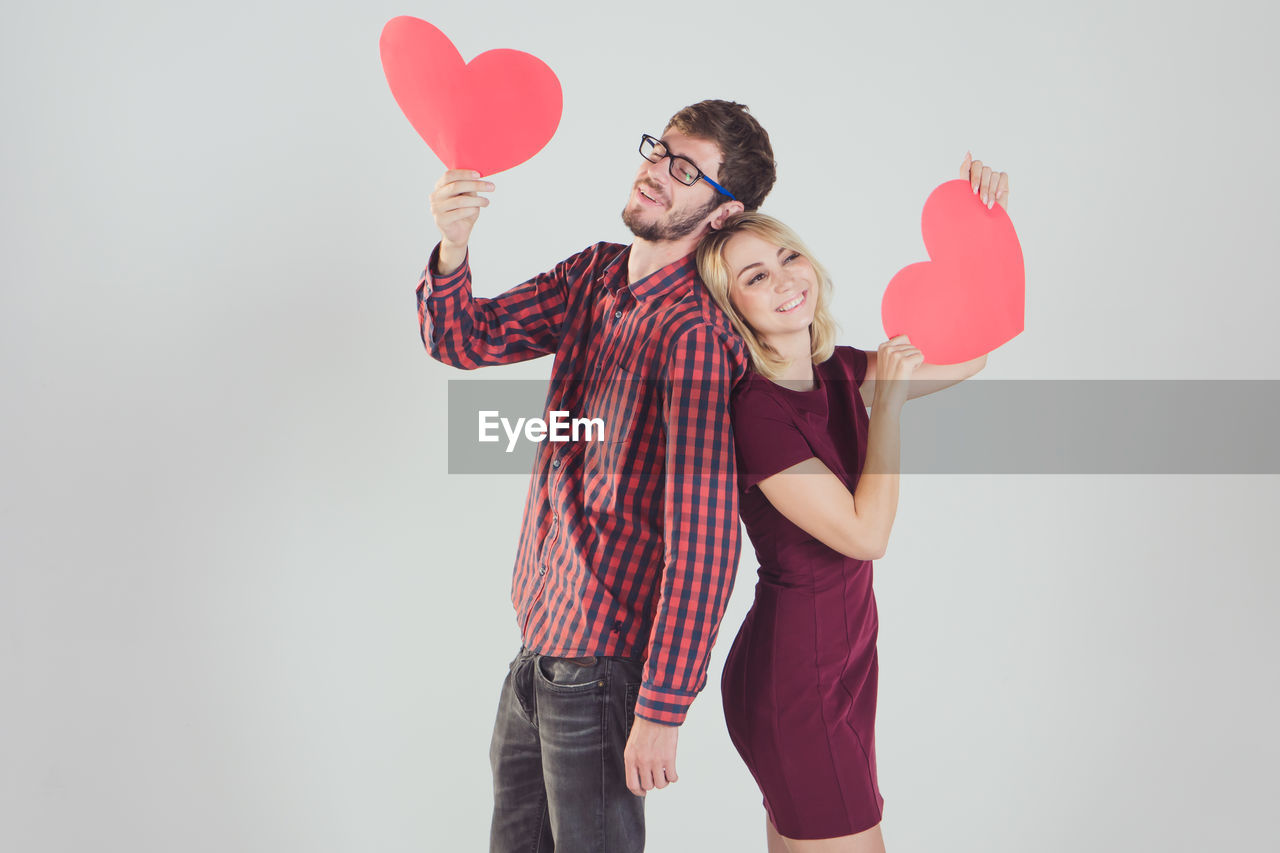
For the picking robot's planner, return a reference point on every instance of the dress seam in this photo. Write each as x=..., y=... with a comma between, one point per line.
x=822, y=708
x=866, y=757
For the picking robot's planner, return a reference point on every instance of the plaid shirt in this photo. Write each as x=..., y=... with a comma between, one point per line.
x=629, y=545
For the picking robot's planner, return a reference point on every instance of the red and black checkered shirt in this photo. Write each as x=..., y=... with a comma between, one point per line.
x=629, y=545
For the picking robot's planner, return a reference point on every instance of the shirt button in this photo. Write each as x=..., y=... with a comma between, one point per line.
x=542, y=570
x=617, y=315
x=555, y=463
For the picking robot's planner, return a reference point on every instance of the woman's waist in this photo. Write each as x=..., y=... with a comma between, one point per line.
x=834, y=573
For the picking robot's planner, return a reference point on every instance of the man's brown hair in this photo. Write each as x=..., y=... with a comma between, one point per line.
x=748, y=170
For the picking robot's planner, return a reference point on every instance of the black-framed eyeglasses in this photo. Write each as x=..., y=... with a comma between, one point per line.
x=681, y=168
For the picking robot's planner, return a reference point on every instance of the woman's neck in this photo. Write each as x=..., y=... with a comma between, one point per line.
x=797, y=349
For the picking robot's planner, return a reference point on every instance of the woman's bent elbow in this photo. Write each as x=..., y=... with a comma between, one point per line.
x=864, y=550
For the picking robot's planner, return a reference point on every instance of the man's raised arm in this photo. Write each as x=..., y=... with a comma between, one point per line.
x=468, y=332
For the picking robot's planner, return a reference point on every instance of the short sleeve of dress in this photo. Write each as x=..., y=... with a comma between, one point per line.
x=765, y=436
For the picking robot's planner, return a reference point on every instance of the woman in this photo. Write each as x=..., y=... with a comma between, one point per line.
x=819, y=483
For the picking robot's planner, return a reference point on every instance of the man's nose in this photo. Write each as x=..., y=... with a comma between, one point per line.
x=659, y=172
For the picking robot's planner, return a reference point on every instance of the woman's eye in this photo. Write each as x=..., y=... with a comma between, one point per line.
x=791, y=257
x=757, y=277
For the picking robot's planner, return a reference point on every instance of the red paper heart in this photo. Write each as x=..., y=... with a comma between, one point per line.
x=969, y=298
x=490, y=114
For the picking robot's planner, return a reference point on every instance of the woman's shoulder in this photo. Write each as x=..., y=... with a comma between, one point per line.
x=848, y=363
x=767, y=432
x=757, y=398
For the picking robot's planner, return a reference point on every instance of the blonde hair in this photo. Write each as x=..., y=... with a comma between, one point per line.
x=715, y=274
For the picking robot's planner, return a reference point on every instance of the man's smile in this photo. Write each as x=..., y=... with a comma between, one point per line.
x=650, y=197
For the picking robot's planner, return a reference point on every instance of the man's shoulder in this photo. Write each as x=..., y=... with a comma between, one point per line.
x=605, y=249
x=604, y=253
x=698, y=310
x=592, y=263
x=696, y=319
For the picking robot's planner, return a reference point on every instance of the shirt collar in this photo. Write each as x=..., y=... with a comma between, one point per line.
x=679, y=273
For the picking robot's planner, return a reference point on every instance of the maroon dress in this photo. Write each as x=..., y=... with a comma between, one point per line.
x=799, y=683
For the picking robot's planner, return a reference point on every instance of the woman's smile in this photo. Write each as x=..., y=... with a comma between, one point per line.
x=793, y=304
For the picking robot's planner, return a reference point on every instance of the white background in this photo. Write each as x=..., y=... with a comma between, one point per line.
x=244, y=608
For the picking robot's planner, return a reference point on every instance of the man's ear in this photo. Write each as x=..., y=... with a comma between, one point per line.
x=723, y=212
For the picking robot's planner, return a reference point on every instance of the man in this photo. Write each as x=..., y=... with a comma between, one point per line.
x=629, y=545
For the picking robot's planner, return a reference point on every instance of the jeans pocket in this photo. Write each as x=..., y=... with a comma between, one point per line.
x=570, y=675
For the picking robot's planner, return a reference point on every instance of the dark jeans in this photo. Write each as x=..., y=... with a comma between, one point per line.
x=557, y=757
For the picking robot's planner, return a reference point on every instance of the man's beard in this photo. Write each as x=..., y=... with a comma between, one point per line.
x=660, y=231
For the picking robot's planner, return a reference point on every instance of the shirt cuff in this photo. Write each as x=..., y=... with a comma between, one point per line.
x=659, y=705
x=430, y=282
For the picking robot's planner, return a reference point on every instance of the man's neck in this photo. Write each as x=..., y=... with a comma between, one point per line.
x=648, y=257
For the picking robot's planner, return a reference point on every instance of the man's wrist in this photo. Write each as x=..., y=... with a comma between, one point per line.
x=449, y=258
x=662, y=705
